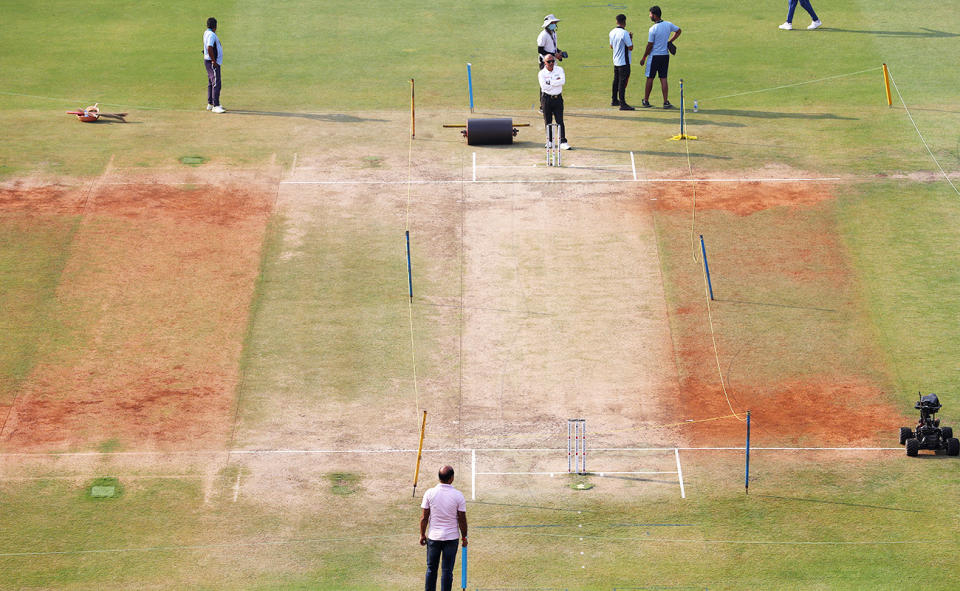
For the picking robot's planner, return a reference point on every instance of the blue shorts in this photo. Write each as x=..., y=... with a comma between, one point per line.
x=658, y=64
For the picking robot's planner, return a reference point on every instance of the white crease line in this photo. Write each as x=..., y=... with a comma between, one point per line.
x=561, y=472
x=676, y=453
x=573, y=181
x=447, y=450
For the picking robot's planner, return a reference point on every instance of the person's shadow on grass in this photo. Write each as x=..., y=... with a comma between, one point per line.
x=770, y=115
x=328, y=117
x=923, y=33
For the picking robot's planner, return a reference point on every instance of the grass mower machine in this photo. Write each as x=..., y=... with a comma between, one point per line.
x=929, y=434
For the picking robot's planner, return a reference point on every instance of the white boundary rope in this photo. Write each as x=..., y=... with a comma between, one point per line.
x=924, y=141
x=716, y=98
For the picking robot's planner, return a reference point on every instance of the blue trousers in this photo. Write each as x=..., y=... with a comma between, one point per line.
x=213, y=82
x=806, y=6
x=437, y=550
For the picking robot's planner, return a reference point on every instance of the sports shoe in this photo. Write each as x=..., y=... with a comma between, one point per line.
x=814, y=25
x=614, y=103
x=645, y=104
x=218, y=109
x=667, y=105
x=209, y=107
x=548, y=145
x=787, y=26
x=564, y=146
x=626, y=107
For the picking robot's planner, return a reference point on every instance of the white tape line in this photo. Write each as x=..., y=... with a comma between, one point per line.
x=676, y=453
x=633, y=165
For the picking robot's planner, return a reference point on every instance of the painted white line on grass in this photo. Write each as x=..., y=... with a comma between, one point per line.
x=562, y=472
x=633, y=165
x=676, y=454
x=230, y=545
x=570, y=181
x=393, y=451
x=750, y=542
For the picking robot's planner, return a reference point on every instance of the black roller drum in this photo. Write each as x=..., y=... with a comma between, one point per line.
x=485, y=132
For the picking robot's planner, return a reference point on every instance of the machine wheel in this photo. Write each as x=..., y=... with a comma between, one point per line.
x=913, y=446
x=953, y=446
x=905, y=433
x=946, y=432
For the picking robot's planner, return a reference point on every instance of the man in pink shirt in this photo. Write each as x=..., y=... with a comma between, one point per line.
x=445, y=510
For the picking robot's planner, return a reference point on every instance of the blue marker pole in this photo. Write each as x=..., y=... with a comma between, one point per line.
x=706, y=267
x=746, y=483
x=463, y=570
x=409, y=268
x=682, y=130
x=470, y=86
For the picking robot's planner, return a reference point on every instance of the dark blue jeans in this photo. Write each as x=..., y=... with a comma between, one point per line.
x=447, y=550
x=792, y=5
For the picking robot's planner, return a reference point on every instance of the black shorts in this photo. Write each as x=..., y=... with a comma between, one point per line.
x=657, y=66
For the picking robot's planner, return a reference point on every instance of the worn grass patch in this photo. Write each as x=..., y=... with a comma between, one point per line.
x=344, y=483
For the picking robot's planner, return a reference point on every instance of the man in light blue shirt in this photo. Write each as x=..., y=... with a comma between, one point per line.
x=212, y=60
x=658, y=44
x=621, y=42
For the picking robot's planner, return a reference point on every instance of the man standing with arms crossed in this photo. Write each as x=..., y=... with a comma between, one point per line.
x=212, y=59
x=621, y=42
x=445, y=510
x=657, y=48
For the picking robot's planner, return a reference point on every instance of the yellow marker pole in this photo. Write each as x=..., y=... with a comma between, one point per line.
x=413, y=121
x=886, y=83
x=416, y=473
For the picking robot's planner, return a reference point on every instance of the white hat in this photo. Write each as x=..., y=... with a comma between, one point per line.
x=549, y=19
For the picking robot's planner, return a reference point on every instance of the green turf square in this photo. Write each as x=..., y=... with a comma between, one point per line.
x=103, y=491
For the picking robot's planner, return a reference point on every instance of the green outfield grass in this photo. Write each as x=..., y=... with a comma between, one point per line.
x=295, y=57
x=327, y=346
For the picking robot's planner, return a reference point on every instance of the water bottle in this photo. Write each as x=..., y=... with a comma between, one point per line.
x=695, y=107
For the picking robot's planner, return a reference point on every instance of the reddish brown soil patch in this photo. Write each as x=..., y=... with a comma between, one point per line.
x=790, y=331
x=154, y=304
x=799, y=413
x=50, y=199
x=741, y=198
